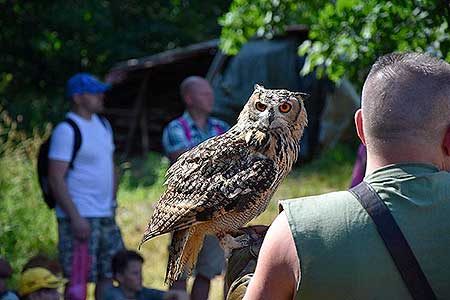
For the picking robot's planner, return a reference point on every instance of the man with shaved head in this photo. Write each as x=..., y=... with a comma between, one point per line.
x=406, y=109
x=195, y=125
x=183, y=133
x=327, y=246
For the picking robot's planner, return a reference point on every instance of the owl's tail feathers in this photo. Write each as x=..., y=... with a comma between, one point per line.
x=150, y=233
x=183, y=252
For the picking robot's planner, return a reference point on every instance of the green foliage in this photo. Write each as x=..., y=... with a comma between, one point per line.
x=27, y=227
x=143, y=172
x=261, y=18
x=45, y=42
x=346, y=36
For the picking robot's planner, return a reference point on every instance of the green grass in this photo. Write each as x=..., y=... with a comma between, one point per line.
x=27, y=227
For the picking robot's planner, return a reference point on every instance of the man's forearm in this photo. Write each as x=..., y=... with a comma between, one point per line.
x=60, y=192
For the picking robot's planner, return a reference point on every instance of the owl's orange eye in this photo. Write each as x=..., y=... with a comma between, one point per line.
x=285, y=107
x=261, y=107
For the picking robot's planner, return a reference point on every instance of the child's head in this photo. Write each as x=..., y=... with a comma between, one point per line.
x=127, y=269
x=39, y=283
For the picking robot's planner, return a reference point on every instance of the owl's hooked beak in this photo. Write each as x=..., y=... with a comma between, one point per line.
x=271, y=116
x=257, y=138
x=267, y=118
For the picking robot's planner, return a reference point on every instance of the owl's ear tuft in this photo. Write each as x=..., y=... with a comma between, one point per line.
x=303, y=96
x=258, y=87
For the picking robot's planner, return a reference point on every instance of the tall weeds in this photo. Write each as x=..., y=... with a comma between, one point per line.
x=27, y=226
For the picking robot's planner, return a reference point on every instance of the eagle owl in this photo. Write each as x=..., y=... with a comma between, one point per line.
x=226, y=181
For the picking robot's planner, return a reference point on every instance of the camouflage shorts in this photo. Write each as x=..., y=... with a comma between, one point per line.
x=105, y=240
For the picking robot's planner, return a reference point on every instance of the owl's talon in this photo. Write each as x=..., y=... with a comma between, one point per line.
x=249, y=231
x=229, y=243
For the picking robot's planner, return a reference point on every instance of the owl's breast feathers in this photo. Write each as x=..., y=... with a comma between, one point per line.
x=219, y=176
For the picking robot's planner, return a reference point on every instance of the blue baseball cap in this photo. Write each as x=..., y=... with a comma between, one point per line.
x=84, y=83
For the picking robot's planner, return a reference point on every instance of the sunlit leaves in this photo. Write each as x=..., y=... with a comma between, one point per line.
x=346, y=36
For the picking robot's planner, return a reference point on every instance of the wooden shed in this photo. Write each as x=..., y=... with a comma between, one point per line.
x=147, y=97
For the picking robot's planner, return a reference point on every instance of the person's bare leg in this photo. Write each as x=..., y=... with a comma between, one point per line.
x=200, y=288
x=100, y=287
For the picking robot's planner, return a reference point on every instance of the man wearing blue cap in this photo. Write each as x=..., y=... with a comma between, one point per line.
x=83, y=181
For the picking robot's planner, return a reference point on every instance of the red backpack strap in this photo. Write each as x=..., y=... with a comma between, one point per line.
x=186, y=129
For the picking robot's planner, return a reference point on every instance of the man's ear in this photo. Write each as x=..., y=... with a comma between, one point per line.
x=359, y=126
x=446, y=142
x=187, y=100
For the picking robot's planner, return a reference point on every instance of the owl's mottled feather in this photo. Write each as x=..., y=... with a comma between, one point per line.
x=218, y=176
x=223, y=183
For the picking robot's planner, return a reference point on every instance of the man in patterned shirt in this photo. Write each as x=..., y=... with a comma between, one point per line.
x=180, y=135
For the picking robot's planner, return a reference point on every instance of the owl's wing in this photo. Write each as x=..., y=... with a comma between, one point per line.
x=206, y=158
x=218, y=176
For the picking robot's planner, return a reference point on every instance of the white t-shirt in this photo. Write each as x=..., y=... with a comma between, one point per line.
x=91, y=181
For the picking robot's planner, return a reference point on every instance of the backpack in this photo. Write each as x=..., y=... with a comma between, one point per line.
x=42, y=164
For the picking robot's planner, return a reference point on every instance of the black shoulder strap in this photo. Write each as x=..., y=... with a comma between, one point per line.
x=395, y=242
x=104, y=122
x=77, y=140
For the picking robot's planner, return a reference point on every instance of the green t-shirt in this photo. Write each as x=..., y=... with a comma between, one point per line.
x=341, y=254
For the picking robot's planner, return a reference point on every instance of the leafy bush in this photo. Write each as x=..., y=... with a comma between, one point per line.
x=27, y=227
x=143, y=171
x=346, y=36
x=45, y=42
